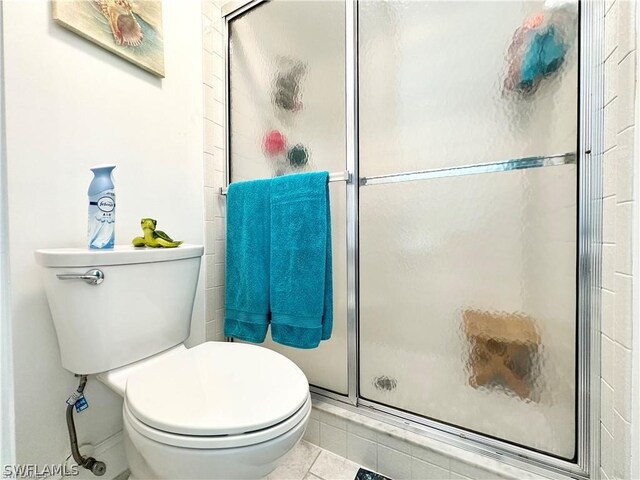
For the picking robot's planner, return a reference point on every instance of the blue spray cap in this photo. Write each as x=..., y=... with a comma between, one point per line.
x=102, y=179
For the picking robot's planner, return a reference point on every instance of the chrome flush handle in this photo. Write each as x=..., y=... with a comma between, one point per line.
x=92, y=277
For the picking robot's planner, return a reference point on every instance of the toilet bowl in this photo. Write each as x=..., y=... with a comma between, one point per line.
x=219, y=410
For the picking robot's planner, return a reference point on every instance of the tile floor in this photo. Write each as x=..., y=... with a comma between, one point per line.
x=309, y=462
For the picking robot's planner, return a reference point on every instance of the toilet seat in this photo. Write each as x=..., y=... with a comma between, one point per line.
x=222, y=441
x=217, y=393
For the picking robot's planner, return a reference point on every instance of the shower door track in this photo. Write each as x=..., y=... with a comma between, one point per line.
x=588, y=159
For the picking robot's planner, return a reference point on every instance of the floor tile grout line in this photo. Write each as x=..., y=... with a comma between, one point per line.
x=315, y=459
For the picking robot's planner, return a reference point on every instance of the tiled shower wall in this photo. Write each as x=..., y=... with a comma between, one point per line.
x=617, y=271
x=619, y=202
x=214, y=166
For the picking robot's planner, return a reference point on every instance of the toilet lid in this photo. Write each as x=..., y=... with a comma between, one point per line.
x=217, y=388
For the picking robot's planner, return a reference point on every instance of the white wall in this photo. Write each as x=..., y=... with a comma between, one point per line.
x=70, y=105
x=6, y=379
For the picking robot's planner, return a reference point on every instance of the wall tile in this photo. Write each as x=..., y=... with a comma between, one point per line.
x=609, y=220
x=607, y=5
x=430, y=456
x=220, y=205
x=209, y=137
x=362, y=451
x=219, y=245
x=218, y=135
x=609, y=168
x=606, y=405
x=610, y=30
x=333, y=420
x=218, y=69
x=606, y=450
x=218, y=297
x=622, y=381
x=457, y=476
x=219, y=161
x=220, y=3
x=608, y=313
x=209, y=262
x=626, y=27
x=208, y=8
x=218, y=113
x=610, y=83
x=472, y=471
x=607, y=352
x=218, y=94
x=219, y=179
x=333, y=439
x=312, y=433
x=361, y=430
x=624, y=220
x=208, y=39
x=625, y=167
x=209, y=239
x=208, y=101
x=209, y=170
x=626, y=79
x=609, y=265
x=393, y=464
x=210, y=331
x=611, y=123
x=220, y=228
x=218, y=21
x=209, y=304
x=393, y=442
x=220, y=329
x=219, y=269
x=208, y=68
x=216, y=44
x=425, y=471
x=622, y=448
x=209, y=203
x=624, y=298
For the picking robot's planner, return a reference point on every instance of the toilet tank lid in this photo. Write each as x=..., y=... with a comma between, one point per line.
x=119, y=255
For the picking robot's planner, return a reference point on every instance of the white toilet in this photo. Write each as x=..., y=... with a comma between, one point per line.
x=218, y=410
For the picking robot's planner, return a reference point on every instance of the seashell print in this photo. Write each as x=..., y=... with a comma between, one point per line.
x=124, y=26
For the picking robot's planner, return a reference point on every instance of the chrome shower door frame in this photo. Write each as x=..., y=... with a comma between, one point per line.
x=589, y=158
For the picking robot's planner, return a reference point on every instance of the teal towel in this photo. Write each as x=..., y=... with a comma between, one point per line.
x=247, y=272
x=301, y=277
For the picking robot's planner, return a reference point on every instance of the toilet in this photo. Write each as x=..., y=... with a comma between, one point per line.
x=217, y=410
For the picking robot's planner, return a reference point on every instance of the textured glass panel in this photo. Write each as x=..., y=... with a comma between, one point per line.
x=287, y=89
x=326, y=366
x=467, y=302
x=287, y=99
x=438, y=84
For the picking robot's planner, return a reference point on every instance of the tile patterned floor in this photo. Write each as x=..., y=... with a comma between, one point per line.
x=309, y=462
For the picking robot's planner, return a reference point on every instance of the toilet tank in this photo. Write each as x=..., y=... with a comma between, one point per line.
x=141, y=307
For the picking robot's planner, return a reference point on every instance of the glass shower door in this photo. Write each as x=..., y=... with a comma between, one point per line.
x=467, y=215
x=287, y=115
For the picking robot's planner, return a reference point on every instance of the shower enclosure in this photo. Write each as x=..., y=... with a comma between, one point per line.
x=464, y=147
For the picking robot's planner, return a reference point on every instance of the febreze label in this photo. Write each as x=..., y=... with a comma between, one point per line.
x=102, y=218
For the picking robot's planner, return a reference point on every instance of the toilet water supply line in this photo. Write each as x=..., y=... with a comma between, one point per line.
x=76, y=400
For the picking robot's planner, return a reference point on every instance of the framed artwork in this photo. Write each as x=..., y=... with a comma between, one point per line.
x=132, y=29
